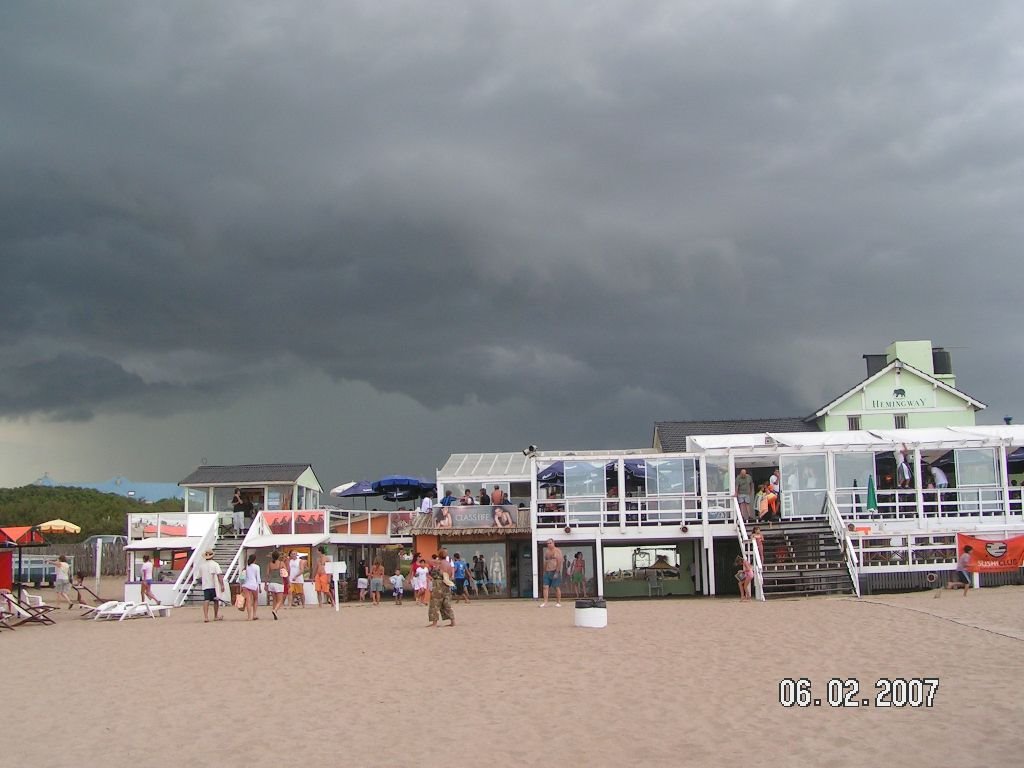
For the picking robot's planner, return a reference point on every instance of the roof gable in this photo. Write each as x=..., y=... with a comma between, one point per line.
x=900, y=366
x=243, y=474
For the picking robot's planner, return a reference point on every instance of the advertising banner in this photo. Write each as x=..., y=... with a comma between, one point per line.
x=992, y=555
x=475, y=516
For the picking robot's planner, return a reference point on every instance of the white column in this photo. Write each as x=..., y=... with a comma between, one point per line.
x=621, y=475
x=918, y=485
x=534, y=490
x=1004, y=481
x=599, y=565
x=710, y=575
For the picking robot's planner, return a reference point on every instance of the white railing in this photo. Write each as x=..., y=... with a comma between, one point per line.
x=750, y=549
x=842, y=534
x=938, y=506
x=632, y=512
x=187, y=577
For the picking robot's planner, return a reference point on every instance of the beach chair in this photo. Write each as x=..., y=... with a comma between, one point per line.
x=26, y=614
x=89, y=611
x=79, y=588
x=35, y=601
x=111, y=610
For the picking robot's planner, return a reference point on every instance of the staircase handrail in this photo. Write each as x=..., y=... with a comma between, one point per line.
x=842, y=533
x=746, y=545
x=256, y=529
x=187, y=578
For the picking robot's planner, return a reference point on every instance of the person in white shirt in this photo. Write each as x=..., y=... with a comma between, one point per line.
x=298, y=588
x=427, y=505
x=251, y=587
x=941, y=481
x=213, y=582
x=397, y=585
x=147, y=580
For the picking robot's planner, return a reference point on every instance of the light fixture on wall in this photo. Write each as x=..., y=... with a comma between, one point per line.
x=684, y=528
x=567, y=529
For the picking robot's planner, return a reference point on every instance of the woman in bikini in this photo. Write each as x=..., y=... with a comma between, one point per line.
x=578, y=575
x=745, y=575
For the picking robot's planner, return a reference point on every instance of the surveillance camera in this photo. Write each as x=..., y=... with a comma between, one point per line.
x=529, y=450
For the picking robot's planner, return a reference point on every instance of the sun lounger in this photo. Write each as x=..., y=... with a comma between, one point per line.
x=89, y=611
x=26, y=614
x=79, y=588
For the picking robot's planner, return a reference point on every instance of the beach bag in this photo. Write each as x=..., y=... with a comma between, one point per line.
x=240, y=602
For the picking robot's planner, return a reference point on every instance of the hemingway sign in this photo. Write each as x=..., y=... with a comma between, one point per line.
x=897, y=400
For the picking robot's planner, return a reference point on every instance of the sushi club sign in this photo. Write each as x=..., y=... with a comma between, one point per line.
x=992, y=555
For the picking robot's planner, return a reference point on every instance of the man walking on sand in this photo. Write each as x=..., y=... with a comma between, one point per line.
x=213, y=582
x=552, y=572
x=296, y=566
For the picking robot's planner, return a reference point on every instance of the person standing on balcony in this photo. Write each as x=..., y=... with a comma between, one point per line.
x=744, y=492
x=448, y=499
x=485, y=499
x=237, y=511
x=497, y=496
x=467, y=499
x=427, y=504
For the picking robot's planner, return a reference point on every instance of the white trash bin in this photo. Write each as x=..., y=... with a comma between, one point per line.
x=591, y=613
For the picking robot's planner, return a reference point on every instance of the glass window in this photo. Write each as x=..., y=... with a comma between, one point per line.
x=584, y=478
x=900, y=421
x=668, y=477
x=197, y=500
x=854, y=469
x=279, y=497
x=803, y=484
x=718, y=474
x=853, y=423
x=486, y=562
x=976, y=466
x=222, y=499
x=648, y=570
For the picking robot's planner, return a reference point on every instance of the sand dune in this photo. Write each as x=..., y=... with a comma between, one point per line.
x=684, y=682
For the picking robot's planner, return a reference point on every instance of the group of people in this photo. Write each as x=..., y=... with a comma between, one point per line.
x=283, y=582
x=764, y=503
x=498, y=499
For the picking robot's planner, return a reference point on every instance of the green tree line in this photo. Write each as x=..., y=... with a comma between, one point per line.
x=95, y=512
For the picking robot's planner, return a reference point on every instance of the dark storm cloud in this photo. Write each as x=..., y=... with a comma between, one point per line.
x=677, y=210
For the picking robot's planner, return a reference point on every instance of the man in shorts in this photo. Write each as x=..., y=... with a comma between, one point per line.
x=744, y=492
x=962, y=577
x=552, y=572
x=212, y=582
x=295, y=579
x=460, y=570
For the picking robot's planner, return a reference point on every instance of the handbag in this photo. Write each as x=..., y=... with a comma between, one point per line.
x=240, y=602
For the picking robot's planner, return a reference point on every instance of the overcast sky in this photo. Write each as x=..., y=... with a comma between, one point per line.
x=370, y=235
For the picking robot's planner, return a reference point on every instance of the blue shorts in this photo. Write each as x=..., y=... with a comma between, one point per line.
x=552, y=578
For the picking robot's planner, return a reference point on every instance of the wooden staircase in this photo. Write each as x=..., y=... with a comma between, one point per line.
x=223, y=552
x=803, y=558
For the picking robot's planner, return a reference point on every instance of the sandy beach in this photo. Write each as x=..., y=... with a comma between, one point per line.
x=679, y=682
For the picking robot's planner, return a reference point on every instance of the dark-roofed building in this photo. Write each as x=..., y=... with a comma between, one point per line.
x=263, y=486
x=670, y=436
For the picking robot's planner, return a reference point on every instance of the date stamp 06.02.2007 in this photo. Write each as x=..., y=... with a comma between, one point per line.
x=842, y=692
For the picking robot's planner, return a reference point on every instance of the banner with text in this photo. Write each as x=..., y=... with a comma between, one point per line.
x=992, y=555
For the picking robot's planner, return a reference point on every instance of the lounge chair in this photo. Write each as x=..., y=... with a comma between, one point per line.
x=90, y=611
x=35, y=601
x=79, y=588
x=26, y=614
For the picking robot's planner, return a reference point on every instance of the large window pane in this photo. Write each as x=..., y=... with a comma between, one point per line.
x=667, y=477
x=718, y=474
x=803, y=484
x=976, y=466
x=584, y=478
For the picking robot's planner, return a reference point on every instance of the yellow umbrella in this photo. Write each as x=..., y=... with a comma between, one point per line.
x=58, y=526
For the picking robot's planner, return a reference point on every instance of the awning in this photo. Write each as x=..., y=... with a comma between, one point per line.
x=285, y=540
x=163, y=542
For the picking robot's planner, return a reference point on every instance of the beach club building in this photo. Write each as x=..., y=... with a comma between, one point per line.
x=280, y=509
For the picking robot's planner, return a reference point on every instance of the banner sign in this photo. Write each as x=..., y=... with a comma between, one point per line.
x=475, y=516
x=992, y=555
